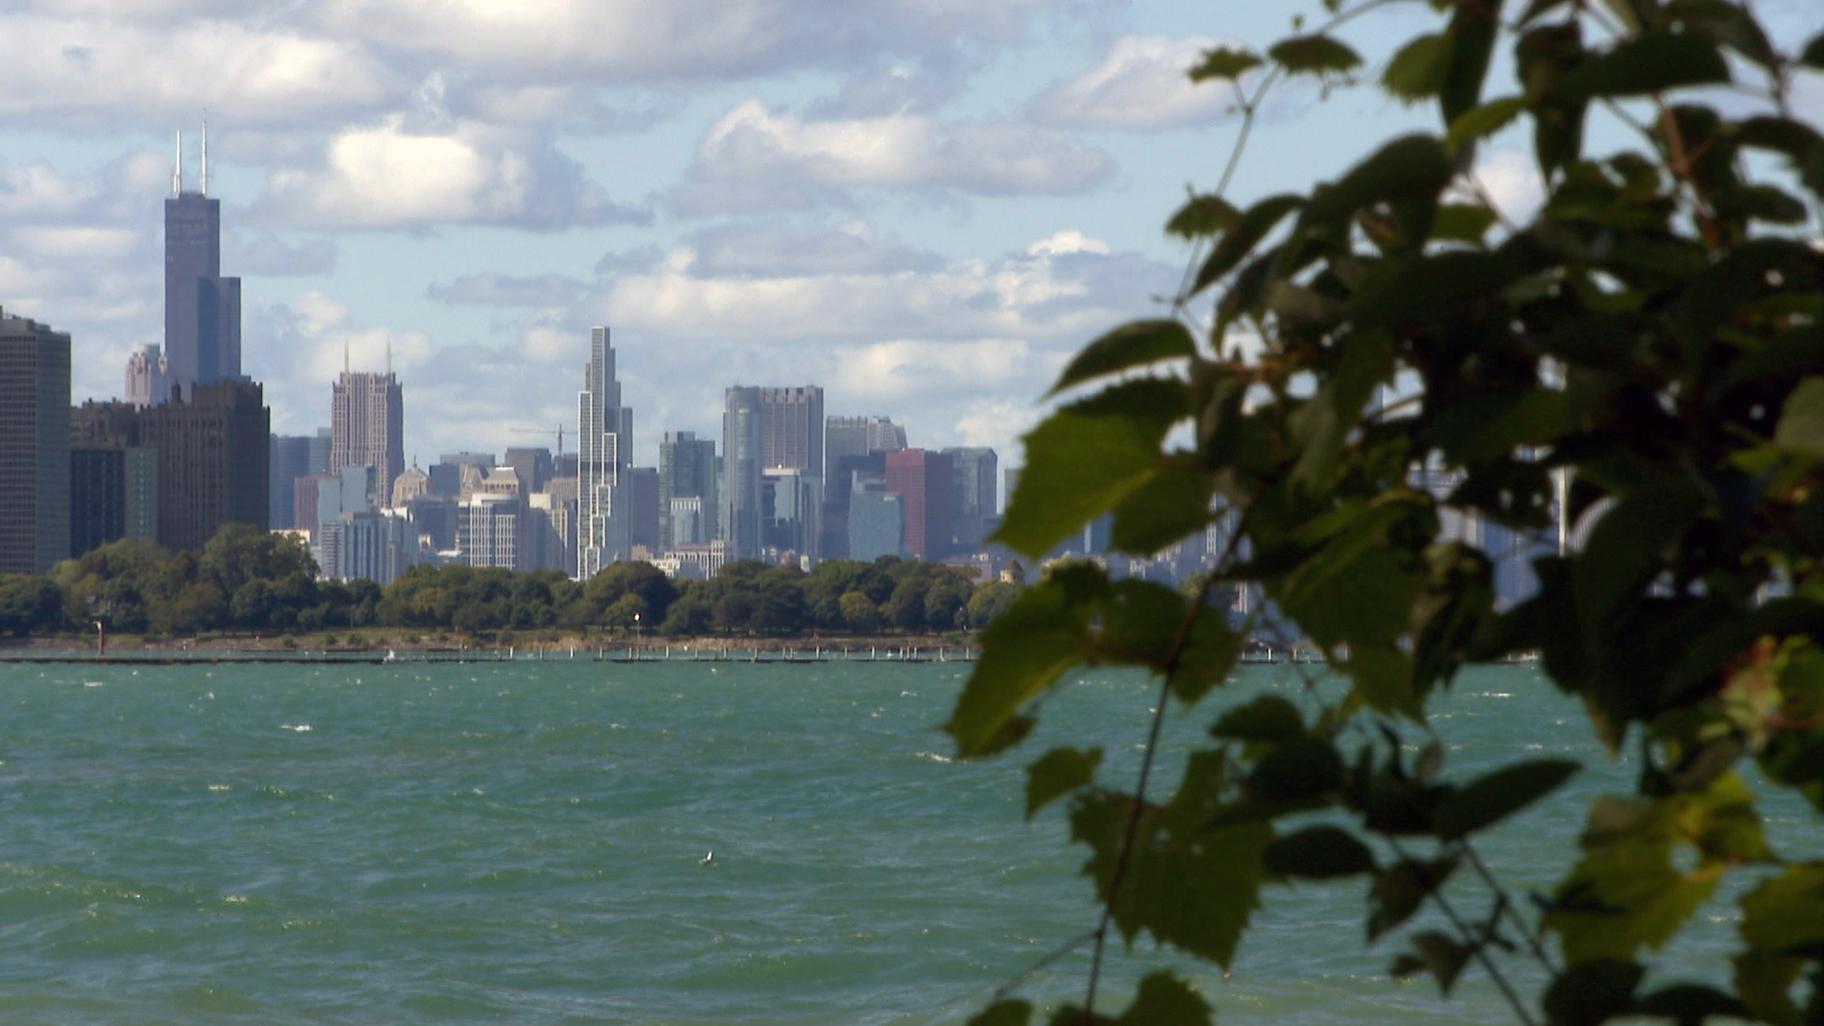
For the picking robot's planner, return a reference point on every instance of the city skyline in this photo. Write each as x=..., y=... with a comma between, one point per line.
x=921, y=206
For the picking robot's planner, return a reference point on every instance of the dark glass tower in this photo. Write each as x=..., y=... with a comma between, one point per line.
x=202, y=308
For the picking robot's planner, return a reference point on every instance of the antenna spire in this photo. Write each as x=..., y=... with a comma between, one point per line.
x=389, y=356
x=205, y=153
x=345, y=358
x=177, y=169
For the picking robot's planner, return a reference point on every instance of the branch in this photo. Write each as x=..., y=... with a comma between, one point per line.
x=1469, y=937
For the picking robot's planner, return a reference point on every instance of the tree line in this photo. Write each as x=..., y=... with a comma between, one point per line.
x=249, y=580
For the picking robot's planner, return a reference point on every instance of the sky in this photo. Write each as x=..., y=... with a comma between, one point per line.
x=924, y=206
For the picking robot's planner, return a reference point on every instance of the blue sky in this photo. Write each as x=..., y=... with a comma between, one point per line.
x=922, y=205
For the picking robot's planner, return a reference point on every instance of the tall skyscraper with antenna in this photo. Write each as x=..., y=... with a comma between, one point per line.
x=202, y=308
x=367, y=425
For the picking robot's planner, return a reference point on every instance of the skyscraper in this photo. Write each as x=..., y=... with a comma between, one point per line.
x=367, y=427
x=739, y=513
x=214, y=447
x=289, y=460
x=34, y=445
x=924, y=479
x=687, y=470
x=857, y=436
x=791, y=429
x=146, y=377
x=202, y=308
x=604, y=449
x=975, y=488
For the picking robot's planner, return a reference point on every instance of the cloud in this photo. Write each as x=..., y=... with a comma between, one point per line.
x=1140, y=84
x=508, y=290
x=640, y=40
x=1512, y=180
x=905, y=368
x=257, y=254
x=93, y=71
x=393, y=176
x=750, y=248
x=79, y=244
x=805, y=159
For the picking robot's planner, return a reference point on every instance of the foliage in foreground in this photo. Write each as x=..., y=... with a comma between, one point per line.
x=246, y=579
x=1651, y=336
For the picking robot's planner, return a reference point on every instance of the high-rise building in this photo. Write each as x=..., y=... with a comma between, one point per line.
x=213, y=448
x=974, y=490
x=790, y=504
x=410, y=484
x=604, y=450
x=876, y=521
x=288, y=460
x=202, y=308
x=687, y=470
x=446, y=473
x=642, y=488
x=147, y=372
x=924, y=479
x=367, y=427
x=34, y=445
x=491, y=531
x=533, y=465
x=374, y=545
x=113, y=484
x=791, y=429
x=738, y=513
x=857, y=436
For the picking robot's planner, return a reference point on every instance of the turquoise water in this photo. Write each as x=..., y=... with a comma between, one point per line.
x=531, y=843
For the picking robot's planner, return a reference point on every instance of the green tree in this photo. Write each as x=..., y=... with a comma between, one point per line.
x=988, y=602
x=28, y=605
x=905, y=608
x=860, y=614
x=1643, y=355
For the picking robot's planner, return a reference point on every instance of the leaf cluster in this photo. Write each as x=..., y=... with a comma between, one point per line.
x=1359, y=378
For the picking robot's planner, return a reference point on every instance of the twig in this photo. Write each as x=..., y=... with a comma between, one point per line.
x=1469, y=936
x=1507, y=905
x=1052, y=956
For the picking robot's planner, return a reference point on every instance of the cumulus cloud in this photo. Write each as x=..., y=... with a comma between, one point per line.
x=1140, y=84
x=394, y=176
x=673, y=39
x=753, y=144
x=766, y=248
x=92, y=70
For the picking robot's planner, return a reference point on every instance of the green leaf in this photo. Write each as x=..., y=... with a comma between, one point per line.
x=1323, y=423
x=1223, y=62
x=1137, y=344
x=1188, y=884
x=1813, y=54
x=1479, y=122
x=1314, y=55
x=1462, y=222
x=1165, y=1000
x=1024, y=651
x=1726, y=24
x=1418, y=71
x=1412, y=165
x=1495, y=796
x=1057, y=773
x=1003, y=1013
x=1399, y=890
x=1203, y=215
x=1267, y=718
x=1318, y=853
x=1645, y=64
x=1689, y=1004
x=1472, y=31
x=1785, y=914
x=1443, y=956
x=1801, y=426
x=1627, y=892
x=1173, y=504
x=1239, y=241
x=1085, y=458
x=1592, y=993
x=1299, y=771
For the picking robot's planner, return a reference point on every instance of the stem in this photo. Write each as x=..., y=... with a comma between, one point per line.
x=1132, y=828
x=1469, y=937
x=1512, y=914
x=1048, y=958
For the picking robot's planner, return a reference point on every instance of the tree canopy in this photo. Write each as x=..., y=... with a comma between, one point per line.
x=1640, y=360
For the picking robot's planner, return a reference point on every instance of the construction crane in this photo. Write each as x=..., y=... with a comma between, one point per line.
x=543, y=433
